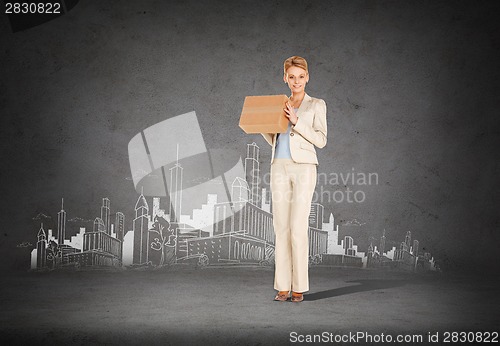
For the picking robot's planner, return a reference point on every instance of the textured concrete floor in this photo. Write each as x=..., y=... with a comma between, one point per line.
x=234, y=306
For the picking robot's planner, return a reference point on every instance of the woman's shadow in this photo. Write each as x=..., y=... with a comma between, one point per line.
x=364, y=285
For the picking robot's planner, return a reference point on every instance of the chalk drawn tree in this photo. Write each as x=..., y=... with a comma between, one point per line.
x=165, y=241
x=53, y=253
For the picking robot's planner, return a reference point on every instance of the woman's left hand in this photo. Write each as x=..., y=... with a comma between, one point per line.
x=290, y=113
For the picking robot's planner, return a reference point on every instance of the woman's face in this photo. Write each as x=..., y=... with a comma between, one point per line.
x=296, y=78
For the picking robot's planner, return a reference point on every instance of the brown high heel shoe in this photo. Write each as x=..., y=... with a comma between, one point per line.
x=297, y=297
x=282, y=296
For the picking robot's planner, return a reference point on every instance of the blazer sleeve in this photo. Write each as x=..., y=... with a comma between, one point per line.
x=268, y=137
x=317, y=133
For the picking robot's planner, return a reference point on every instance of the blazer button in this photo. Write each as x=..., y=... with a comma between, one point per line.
x=291, y=134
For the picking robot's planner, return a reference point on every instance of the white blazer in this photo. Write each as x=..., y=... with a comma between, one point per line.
x=309, y=131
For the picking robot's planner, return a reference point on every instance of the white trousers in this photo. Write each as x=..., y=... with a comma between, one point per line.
x=292, y=187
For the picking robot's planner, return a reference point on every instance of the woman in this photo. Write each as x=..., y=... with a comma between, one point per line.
x=293, y=180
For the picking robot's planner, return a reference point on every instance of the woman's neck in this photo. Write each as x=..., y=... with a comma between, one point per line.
x=297, y=98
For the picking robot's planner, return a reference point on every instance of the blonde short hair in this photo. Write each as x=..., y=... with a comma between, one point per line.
x=295, y=61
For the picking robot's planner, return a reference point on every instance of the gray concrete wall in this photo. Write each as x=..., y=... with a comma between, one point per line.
x=411, y=89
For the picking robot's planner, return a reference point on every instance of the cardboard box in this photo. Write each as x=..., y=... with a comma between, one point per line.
x=264, y=114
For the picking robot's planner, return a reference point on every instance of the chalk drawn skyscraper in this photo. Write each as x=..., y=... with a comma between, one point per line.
x=408, y=240
x=176, y=174
x=61, y=224
x=120, y=225
x=252, y=172
x=105, y=215
x=382, y=244
x=141, y=232
x=99, y=225
x=316, y=215
x=41, y=249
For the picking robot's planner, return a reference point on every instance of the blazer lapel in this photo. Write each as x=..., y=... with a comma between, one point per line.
x=306, y=102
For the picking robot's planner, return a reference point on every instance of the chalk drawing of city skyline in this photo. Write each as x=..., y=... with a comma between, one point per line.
x=233, y=227
x=207, y=237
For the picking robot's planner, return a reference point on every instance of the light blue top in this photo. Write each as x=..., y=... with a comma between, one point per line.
x=282, y=150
